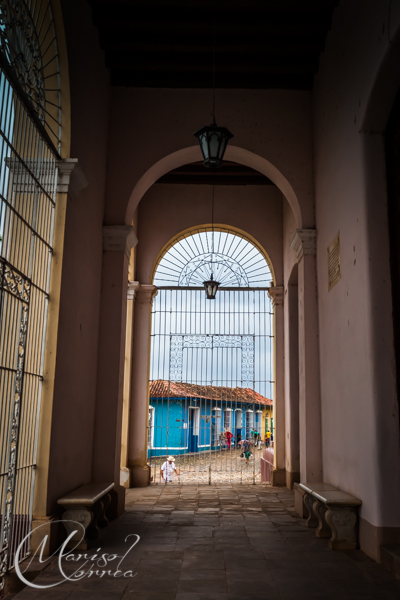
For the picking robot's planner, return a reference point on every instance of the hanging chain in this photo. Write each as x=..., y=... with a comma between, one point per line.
x=213, y=79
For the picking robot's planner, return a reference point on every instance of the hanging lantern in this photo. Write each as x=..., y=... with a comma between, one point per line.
x=213, y=141
x=211, y=288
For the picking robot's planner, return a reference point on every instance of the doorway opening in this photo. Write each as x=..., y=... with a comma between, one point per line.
x=211, y=387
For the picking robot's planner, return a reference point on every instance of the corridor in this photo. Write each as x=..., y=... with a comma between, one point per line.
x=221, y=542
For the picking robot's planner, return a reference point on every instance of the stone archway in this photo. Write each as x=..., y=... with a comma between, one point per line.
x=193, y=154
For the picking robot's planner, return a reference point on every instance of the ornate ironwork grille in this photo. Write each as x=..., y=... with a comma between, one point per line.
x=30, y=132
x=211, y=362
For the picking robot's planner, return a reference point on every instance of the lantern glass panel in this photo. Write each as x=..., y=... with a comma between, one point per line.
x=214, y=145
x=204, y=145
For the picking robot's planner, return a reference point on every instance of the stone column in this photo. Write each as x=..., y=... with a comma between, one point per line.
x=117, y=243
x=125, y=478
x=292, y=384
x=303, y=243
x=70, y=181
x=278, y=474
x=138, y=422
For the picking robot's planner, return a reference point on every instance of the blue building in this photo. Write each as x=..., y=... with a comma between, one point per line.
x=187, y=418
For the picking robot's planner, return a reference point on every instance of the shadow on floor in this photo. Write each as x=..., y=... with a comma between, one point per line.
x=220, y=542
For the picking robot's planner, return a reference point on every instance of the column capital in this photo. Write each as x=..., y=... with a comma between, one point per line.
x=276, y=293
x=133, y=287
x=71, y=178
x=146, y=293
x=118, y=238
x=304, y=242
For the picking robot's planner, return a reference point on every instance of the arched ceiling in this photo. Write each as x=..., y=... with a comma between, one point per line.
x=260, y=44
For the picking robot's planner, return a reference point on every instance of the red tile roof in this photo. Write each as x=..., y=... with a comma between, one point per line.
x=174, y=389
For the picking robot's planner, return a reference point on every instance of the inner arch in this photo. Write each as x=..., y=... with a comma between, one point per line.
x=193, y=154
x=233, y=260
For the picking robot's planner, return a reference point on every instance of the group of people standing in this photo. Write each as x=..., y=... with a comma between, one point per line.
x=227, y=439
x=256, y=436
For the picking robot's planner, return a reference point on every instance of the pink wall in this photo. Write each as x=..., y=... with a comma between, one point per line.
x=167, y=209
x=360, y=428
x=147, y=125
x=75, y=383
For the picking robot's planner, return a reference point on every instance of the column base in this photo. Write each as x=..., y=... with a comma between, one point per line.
x=125, y=477
x=140, y=476
x=278, y=477
x=373, y=537
x=42, y=527
x=291, y=479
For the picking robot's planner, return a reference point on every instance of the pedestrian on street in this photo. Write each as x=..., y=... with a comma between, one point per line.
x=255, y=437
x=247, y=455
x=168, y=469
x=228, y=436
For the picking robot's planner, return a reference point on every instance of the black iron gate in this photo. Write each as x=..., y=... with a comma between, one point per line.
x=210, y=404
x=211, y=384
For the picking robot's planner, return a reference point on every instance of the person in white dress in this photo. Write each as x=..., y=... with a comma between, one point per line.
x=168, y=469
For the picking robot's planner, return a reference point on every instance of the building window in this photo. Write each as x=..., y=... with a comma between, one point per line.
x=228, y=419
x=249, y=423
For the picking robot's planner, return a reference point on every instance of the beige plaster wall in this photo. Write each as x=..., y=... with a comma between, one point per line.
x=289, y=229
x=167, y=210
x=292, y=443
x=354, y=89
x=75, y=382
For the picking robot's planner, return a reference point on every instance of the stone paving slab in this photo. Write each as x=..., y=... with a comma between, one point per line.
x=236, y=542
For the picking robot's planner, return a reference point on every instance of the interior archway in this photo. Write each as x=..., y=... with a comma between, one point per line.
x=193, y=154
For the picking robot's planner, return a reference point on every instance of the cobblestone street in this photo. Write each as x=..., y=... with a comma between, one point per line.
x=224, y=466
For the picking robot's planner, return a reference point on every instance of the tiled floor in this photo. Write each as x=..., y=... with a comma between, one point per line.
x=234, y=542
